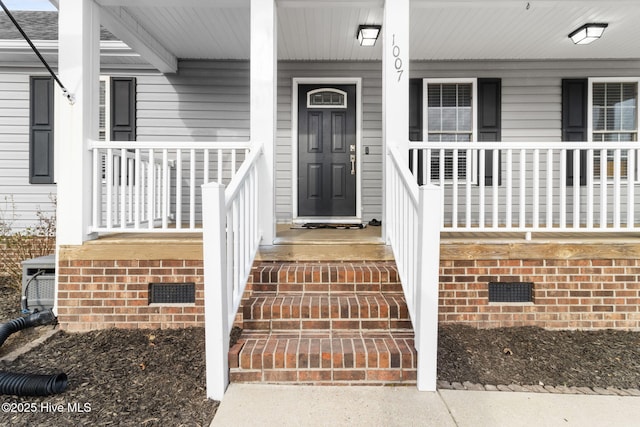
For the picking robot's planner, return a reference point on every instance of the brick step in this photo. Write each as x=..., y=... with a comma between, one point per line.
x=340, y=277
x=324, y=357
x=316, y=311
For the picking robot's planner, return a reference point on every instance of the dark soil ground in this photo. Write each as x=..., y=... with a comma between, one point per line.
x=157, y=377
x=534, y=356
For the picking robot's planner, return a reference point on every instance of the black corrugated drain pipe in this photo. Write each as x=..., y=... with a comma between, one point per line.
x=30, y=384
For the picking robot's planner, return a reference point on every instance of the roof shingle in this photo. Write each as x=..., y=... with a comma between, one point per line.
x=38, y=25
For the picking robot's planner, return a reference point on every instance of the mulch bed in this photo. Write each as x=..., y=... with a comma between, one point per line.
x=126, y=377
x=534, y=356
x=157, y=377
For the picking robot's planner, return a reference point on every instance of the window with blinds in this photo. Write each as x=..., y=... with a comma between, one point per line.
x=449, y=119
x=614, y=118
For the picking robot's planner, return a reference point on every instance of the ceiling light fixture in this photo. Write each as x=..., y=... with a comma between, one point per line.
x=588, y=33
x=368, y=34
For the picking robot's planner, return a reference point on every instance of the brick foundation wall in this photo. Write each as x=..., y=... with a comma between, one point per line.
x=99, y=294
x=567, y=293
x=575, y=285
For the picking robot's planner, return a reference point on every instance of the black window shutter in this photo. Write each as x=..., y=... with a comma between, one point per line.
x=415, y=123
x=41, y=130
x=415, y=109
x=123, y=109
x=490, y=123
x=574, y=122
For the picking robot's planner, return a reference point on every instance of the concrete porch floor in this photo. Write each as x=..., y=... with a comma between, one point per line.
x=326, y=244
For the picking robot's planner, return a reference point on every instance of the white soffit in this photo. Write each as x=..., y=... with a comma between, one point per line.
x=458, y=30
x=440, y=30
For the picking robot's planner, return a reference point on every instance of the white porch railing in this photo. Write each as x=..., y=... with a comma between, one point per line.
x=231, y=236
x=413, y=231
x=154, y=186
x=514, y=186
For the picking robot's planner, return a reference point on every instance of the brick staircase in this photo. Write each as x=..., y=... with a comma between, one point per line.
x=324, y=323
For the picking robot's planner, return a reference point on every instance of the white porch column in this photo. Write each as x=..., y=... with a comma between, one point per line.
x=264, y=64
x=79, y=69
x=395, y=85
x=395, y=73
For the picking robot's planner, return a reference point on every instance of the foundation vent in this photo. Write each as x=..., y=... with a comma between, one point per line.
x=172, y=293
x=510, y=292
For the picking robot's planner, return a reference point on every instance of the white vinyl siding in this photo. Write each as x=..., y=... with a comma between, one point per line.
x=19, y=200
x=205, y=101
x=209, y=100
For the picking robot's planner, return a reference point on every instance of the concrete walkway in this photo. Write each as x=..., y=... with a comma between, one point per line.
x=281, y=405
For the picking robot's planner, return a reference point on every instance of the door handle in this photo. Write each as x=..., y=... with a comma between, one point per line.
x=353, y=164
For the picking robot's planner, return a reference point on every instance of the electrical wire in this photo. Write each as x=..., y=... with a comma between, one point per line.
x=35, y=50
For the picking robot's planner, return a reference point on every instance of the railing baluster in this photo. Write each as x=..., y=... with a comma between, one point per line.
x=481, y=182
x=509, y=188
x=631, y=168
x=165, y=189
x=522, y=222
x=590, y=181
x=95, y=197
x=617, y=172
x=178, y=188
x=536, y=188
x=138, y=182
x=469, y=180
x=454, y=197
x=233, y=162
x=150, y=189
x=577, y=154
x=603, y=189
x=143, y=190
x=495, y=179
x=549, y=223
x=130, y=166
x=220, y=162
x=192, y=190
x=426, y=166
x=109, y=188
x=563, y=188
x=123, y=186
x=206, y=166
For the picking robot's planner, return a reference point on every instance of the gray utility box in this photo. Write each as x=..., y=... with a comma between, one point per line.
x=42, y=288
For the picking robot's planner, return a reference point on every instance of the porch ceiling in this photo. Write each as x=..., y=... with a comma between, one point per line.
x=440, y=30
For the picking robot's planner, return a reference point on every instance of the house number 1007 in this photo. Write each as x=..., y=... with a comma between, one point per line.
x=396, y=54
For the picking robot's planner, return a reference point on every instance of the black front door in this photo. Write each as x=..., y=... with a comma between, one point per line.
x=326, y=150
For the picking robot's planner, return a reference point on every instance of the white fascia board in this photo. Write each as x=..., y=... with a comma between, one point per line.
x=126, y=28
x=107, y=48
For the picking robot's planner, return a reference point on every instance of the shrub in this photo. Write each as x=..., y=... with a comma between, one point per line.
x=20, y=245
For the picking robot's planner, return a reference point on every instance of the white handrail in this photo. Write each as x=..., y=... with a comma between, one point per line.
x=533, y=186
x=231, y=236
x=168, y=145
x=413, y=231
x=149, y=186
x=520, y=145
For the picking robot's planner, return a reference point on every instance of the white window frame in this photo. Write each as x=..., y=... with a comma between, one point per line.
x=327, y=89
x=590, y=84
x=474, y=118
